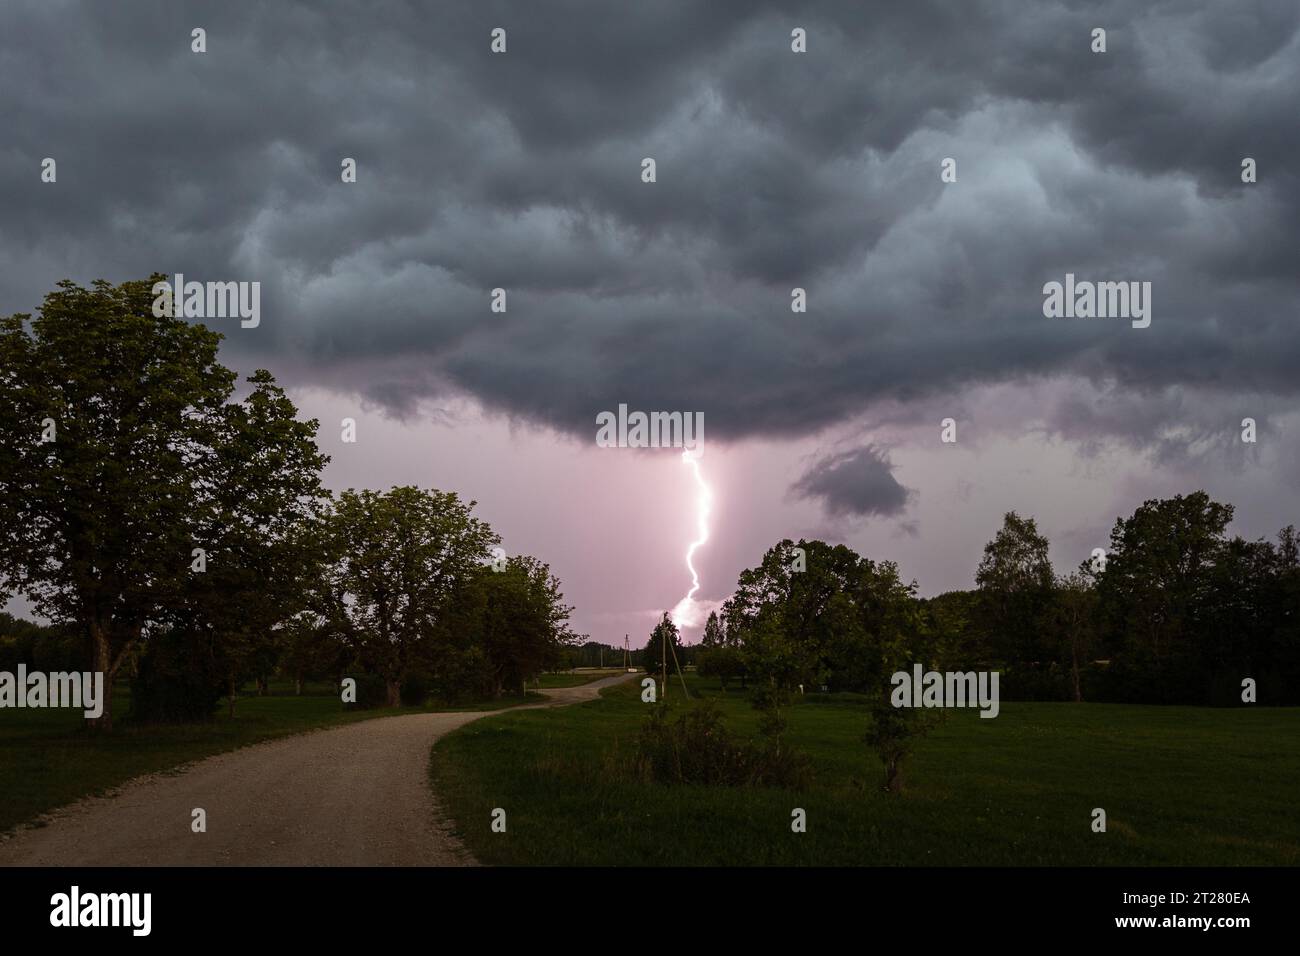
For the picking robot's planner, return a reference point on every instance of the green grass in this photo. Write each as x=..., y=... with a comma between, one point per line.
x=575, y=679
x=1180, y=786
x=48, y=759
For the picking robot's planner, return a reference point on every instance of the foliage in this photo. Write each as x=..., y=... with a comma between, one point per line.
x=697, y=748
x=663, y=648
x=399, y=559
x=178, y=680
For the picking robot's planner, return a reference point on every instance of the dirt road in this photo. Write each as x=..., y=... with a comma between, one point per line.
x=357, y=795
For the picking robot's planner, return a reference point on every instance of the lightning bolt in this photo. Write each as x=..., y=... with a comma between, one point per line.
x=685, y=614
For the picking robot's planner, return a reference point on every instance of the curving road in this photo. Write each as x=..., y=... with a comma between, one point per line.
x=356, y=795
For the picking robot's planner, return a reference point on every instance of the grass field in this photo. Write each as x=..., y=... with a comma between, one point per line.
x=1180, y=786
x=47, y=759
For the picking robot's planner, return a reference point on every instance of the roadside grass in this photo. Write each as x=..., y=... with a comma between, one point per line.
x=575, y=678
x=1180, y=786
x=48, y=759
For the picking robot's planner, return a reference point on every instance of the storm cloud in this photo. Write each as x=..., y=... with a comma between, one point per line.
x=859, y=482
x=775, y=170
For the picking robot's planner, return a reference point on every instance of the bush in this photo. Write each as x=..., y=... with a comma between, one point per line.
x=372, y=692
x=463, y=675
x=415, y=690
x=723, y=664
x=177, y=681
x=697, y=748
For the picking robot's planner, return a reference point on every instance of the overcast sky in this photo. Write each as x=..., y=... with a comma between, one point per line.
x=775, y=170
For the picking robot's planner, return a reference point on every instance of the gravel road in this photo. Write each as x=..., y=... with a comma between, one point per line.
x=356, y=795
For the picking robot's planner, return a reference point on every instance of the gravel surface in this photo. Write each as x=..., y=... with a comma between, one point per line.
x=356, y=795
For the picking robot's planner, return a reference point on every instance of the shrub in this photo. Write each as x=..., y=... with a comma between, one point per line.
x=177, y=681
x=372, y=692
x=698, y=749
x=415, y=690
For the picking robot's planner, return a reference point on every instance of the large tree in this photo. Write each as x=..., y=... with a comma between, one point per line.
x=114, y=446
x=523, y=625
x=831, y=615
x=262, y=535
x=399, y=559
x=1158, y=578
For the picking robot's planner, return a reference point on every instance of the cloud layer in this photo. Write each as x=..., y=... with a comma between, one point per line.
x=775, y=170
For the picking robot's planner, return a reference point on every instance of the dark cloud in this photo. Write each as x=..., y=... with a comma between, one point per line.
x=855, y=483
x=775, y=170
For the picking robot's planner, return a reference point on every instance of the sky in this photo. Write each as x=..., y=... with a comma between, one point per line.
x=774, y=170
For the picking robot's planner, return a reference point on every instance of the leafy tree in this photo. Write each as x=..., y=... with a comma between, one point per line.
x=261, y=533
x=1015, y=580
x=664, y=643
x=714, y=635
x=400, y=557
x=805, y=608
x=892, y=633
x=842, y=619
x=1074, y=617
x=723, y=664
x=97, y=525
x=523, y=627
x=1155, y=589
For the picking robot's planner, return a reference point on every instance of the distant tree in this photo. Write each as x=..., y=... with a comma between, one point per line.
x=1014, y=581
x=665, y=642
x=1074, y=617
x=954, y=616
x=523, y=628
x=714, y=635
x=1155, y=592
x=722, y=663
x=400, y=557
x=837, y=618
x=803, y=605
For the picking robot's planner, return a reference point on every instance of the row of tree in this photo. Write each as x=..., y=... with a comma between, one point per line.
x=1174, y=611
x=147, y=507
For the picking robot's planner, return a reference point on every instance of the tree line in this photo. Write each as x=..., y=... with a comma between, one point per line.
x=1174, y=611
x=181, y=530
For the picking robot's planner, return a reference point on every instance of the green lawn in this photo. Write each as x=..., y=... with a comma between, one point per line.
x=1180, y=785
x=47, y=759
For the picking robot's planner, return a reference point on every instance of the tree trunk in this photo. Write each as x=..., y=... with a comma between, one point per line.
x=1078, y=690
x=233, y=691
x=894, y=774
x=394, y=692
x=104, y=665
x=297, y=686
